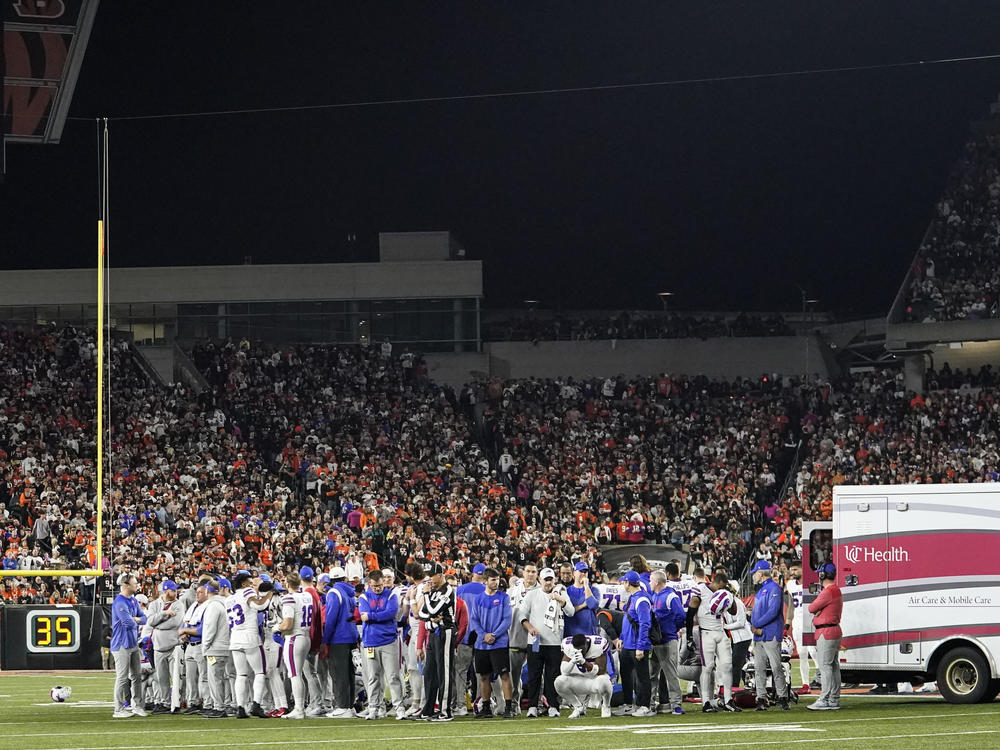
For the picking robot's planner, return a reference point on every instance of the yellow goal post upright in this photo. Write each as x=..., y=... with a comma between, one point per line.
x=101, y=238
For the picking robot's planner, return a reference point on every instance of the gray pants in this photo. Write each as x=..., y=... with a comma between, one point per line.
x=665, y=662
x=517, y=659
x=416, y=679
x=828, y=660
x=383, y=670
x=168, y=673
x=311, y=674
x=323, y=676
x=218, y=679
x=769, y=653
x=128, y=669
x=463, y=660
x=196, y=676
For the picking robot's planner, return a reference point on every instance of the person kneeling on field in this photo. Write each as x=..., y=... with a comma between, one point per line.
x=584, y=673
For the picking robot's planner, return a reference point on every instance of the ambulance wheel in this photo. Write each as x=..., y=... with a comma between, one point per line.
x=963, y=676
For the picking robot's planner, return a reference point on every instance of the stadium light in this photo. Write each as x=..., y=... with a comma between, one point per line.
x=665, y=299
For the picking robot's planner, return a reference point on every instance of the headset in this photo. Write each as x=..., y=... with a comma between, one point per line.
x=827, y=572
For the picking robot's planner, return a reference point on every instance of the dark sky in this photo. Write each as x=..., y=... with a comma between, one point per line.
x=727, y=193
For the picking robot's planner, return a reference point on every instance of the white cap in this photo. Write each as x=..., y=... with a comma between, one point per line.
x=546, y=573
x=142, y=598
x=337, y=572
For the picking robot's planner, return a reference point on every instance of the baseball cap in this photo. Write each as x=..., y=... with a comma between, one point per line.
x=547, y=573
x=224, y=583
x=581, y=566
x=306, y=573
x=244, y=573
x=631, y=577
x=323, y=578
x=278, y=586
x=142, y=598
x=265, y=577
x=168, y=585
x=478, y=569
x=432, y=568
x=760, y=565
x=337, y=573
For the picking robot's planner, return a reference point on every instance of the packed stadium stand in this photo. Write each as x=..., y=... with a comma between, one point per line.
x=956, y=275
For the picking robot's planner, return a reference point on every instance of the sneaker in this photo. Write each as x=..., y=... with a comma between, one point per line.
x=880, y=690
x=605, y=712
x=315, y=712
x=553, y=712
x=212, y=713
x=443, y=717
x=460, y=711
x=137, y=711
x=192, y=710
x=708, y=708
x=256, y=710
x=241, y=713
x=533, y=712
x=664, y=708
x=160, y=709
x=784, y=704
x=833, y=706
x=342, y=713
x=122, y=714
x=678, y=711
x=819, y=705
x=642, y=712
x=371, y=714
x=804, y=690
x=296, y=714
x=149, y=707
x=579, y=712
x=761, y=705
x=400, y=713
x=278, y=713
x=484, y=713
x=731, y=707
x=814, y=684
x=624, y=710
x=509, y=713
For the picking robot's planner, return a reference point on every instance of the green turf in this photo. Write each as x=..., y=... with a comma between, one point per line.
x=30, y=721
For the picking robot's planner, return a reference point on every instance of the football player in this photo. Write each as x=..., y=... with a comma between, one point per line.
x=583, y=673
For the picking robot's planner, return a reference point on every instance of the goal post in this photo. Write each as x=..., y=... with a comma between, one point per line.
x=87, y=573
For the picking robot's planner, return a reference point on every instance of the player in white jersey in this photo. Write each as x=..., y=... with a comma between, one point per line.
x=716, y=649
x=246, y=644
x=297, y=612
x=409, y=606
x=794, y=617
x=275, y=694
x=583, y=673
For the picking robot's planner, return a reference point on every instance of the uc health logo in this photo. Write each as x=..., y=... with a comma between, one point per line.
x=856, y=553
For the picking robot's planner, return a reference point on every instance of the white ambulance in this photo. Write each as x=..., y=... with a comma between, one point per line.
x=919, y=568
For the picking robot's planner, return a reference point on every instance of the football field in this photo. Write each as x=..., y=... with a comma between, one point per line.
x=29, y=720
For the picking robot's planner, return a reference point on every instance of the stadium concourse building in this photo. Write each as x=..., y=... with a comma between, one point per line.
x=420, y=292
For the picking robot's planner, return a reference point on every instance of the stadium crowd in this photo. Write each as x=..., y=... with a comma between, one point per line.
x=957, y=272
x=631, y=324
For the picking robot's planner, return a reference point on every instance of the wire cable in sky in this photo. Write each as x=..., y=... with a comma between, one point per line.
x=567, y=90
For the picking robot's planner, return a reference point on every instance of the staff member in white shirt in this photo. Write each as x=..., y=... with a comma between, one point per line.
x=740, y=634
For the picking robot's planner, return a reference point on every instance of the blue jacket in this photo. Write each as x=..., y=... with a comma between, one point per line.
x=125, y=630
x=468, y=593
x=639, y=610
x=766, y=615
x=380, y=630
x=338, y=624
x=585, y=620
x=490, y=614
x=669, y=611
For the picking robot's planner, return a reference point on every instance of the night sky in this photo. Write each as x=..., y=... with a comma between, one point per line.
x=728, y=193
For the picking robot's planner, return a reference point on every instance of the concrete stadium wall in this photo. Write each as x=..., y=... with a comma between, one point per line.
x=318, y=281
x=722, y=358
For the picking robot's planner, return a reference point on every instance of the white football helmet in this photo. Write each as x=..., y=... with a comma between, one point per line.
x=60, y=694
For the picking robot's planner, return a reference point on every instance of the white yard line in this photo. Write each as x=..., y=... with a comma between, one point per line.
x=548, y=731
x=789, y=741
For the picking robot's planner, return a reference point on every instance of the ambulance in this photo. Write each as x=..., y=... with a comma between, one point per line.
x=919, y=569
